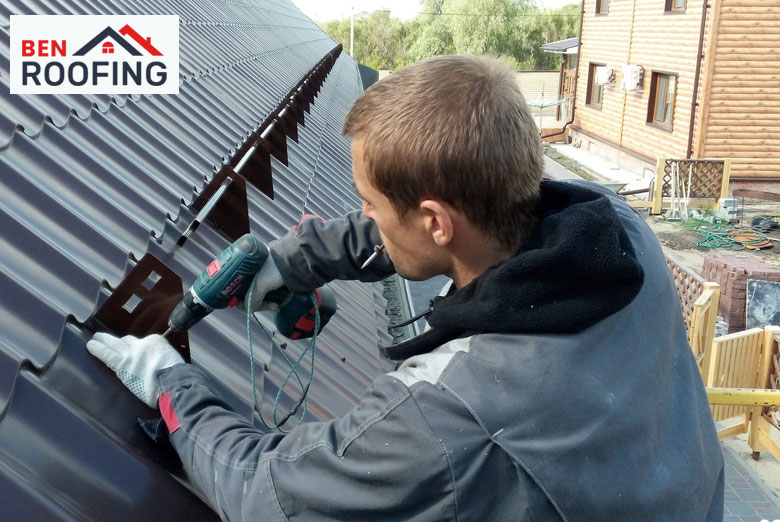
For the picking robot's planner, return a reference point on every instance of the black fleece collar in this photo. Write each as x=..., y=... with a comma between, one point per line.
x=577, y=268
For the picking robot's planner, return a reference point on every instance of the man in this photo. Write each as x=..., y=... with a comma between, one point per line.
x=555, y=382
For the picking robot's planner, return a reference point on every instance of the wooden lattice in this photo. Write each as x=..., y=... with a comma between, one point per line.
x=689, y=286
x=706, y=177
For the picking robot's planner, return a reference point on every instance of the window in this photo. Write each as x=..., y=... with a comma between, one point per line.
x=570, y=61
x=602, y=6
x=595, y=93
x=663, y=88
x=675, y=5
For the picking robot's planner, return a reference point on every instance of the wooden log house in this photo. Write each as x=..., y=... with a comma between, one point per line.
x=709, y=87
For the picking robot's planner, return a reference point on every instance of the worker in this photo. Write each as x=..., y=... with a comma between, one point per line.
x=555, y=381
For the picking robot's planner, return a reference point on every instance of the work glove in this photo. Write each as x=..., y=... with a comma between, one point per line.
x=267, y=280
x=136, y=361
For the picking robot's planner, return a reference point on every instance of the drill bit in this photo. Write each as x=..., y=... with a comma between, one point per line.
x=378, y=250
x=169, y=330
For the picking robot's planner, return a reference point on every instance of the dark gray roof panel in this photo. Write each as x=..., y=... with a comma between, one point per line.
x=69, y=459
x=89, y=185
x=48, y=217
x=83, y=187
x=213, y=52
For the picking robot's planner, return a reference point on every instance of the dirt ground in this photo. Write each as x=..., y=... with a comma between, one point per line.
x=683, y=242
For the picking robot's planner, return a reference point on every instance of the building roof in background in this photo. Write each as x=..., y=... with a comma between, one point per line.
x=567, y=46
x=90, y=185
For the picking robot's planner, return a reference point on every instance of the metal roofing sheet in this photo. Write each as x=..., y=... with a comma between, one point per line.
x=89, y=185
x=561, y=46
x=261, y=60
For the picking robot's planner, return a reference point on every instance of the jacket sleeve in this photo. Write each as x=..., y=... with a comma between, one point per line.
x=381, y=461
x=321, y=251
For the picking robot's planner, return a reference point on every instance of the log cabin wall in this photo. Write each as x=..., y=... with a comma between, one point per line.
x=646, y=33
x=741, y=90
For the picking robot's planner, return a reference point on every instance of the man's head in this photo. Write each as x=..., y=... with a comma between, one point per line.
x=454, y=129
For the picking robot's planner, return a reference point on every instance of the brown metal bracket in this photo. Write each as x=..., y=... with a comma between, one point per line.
x=223, y=202
x=228, y=211
x=276, y=136
x=288, y=116
x=257, y=167
x=308, y=95
x=142, y=303
x=296, y=104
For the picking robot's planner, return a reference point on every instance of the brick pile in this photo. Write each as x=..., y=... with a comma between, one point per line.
x=731, y=272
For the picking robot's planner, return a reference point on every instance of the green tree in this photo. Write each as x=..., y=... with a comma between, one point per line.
x=511, y=29
x=549, y=25
x=486, y=26
x=434, y=33
x=379, y=39
x=338, y=30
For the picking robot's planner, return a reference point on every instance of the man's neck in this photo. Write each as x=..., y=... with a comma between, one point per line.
x=471, y=259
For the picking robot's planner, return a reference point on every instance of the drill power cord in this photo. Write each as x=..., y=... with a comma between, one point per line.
x=310, y=348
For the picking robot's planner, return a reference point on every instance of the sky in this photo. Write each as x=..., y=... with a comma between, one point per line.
x=323, y=11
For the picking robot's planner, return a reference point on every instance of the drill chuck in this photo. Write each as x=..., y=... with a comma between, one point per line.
x=188, y=312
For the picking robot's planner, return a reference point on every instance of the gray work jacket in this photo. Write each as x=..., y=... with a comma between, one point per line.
x=608, y=424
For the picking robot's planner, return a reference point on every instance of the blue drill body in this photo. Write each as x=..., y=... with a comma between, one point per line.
x=227, y=279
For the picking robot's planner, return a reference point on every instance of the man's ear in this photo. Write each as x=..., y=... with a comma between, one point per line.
x=438, y=220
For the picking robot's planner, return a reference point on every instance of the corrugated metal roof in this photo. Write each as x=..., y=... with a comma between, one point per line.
x=562, y=46
x=90, y=184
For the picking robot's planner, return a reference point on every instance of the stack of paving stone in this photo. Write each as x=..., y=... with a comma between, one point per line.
x=731, y=272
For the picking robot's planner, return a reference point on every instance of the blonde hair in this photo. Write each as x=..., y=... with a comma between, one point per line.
x=454, y=128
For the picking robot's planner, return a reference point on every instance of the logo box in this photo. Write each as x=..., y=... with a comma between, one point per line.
x=94, y=54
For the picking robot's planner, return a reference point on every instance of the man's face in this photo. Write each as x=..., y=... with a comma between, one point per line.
x=406, y=240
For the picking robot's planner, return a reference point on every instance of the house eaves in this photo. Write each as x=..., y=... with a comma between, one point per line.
x=91, y=186
x=567, y=46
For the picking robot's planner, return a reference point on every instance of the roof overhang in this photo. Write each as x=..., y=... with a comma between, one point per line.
x=567, y=46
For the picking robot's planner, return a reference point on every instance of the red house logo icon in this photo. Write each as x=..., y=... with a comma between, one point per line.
x=108, y=47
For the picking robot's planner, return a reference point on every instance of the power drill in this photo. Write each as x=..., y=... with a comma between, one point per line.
x=226, y=280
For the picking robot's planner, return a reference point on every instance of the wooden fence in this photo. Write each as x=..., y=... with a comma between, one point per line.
x=701, y=331
x=699, y=304
x=747, y=359
x=765, y=419
x=772, y=414
x=735, y=362
x=688, y=283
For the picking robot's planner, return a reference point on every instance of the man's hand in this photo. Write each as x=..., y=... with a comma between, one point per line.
x=136, y=361
x=268, y=279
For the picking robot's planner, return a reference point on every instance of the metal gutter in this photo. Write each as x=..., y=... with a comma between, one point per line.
x=699, y=56
x=576, y=78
